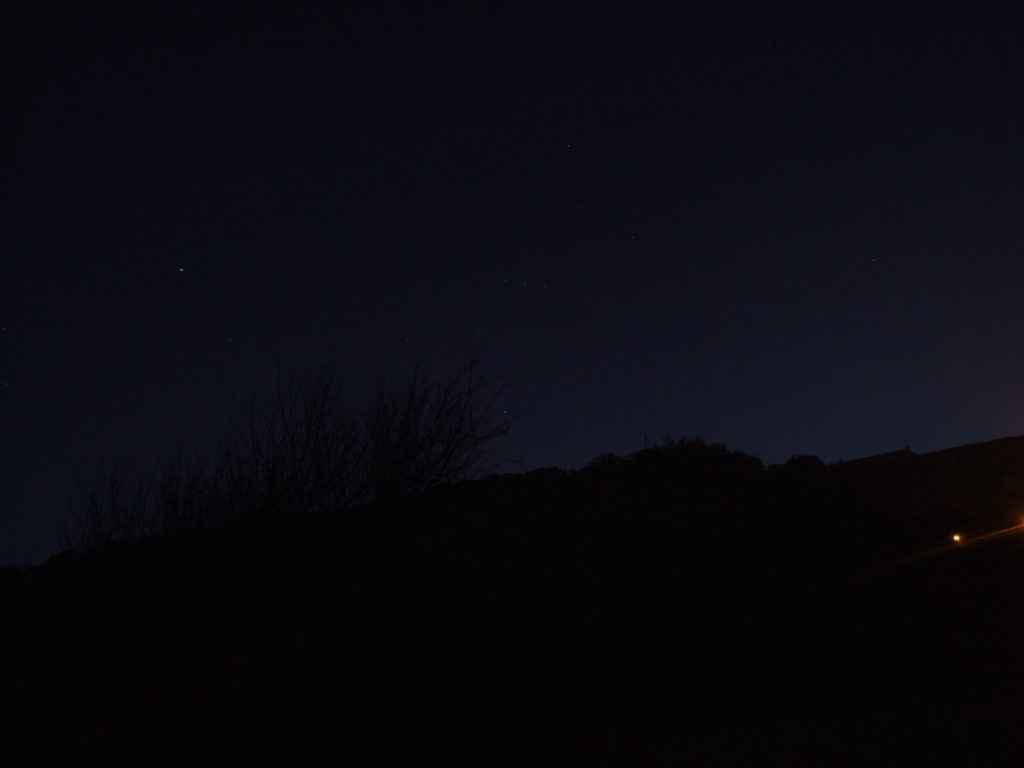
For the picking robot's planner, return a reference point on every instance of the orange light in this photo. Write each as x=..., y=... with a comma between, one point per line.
x=956, y=537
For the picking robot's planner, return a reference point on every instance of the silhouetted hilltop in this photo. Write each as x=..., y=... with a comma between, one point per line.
x=972, y=488
x=682, y=605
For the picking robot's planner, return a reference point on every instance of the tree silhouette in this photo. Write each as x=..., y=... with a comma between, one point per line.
x=306, y=449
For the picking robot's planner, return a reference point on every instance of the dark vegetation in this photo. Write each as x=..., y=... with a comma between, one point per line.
x=307, y=448
x=684, y=605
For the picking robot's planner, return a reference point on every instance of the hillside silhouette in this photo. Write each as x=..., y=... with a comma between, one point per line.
x=684, y=605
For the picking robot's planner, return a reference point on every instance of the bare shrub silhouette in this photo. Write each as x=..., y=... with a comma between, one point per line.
x=306, y=449
x=298, y=450
x=422, y=434
x=109, y=511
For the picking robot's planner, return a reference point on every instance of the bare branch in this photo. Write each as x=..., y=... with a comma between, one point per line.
x=305, y=449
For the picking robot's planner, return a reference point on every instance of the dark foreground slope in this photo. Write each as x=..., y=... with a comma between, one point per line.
x=674, y=609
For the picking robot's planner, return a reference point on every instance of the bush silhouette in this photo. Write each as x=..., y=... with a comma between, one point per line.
x=306, y=449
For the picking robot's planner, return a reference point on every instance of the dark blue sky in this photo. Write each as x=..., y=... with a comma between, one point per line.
x=790, y=231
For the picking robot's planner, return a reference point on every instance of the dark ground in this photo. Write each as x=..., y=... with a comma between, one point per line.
x=589, y=619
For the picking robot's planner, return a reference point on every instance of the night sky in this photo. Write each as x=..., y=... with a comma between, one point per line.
x=790, y=231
